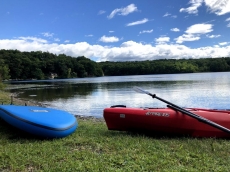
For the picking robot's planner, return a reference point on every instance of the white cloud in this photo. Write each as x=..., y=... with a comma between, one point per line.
x=199, y=29
x=175, y=30
x=195, y=4
x=47, y=34
x=213, y=36
x=138, y=22
x=219, y=7
x=223, y=43
x=162, y=40
x=101, y=12
x=33, y=39
x=146, y=31
x=186, y=37
x=123, y=11
x=127, y=51
x=228, y=25
x=193, y=32
x=166, y=14
x=109, y=39
x=67, y=41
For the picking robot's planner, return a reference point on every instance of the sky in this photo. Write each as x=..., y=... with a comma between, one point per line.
x=118, y=30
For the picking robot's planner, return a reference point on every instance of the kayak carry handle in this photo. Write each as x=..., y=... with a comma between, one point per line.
x=114, y=106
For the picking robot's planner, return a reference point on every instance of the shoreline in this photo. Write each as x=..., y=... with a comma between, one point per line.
x=18, y=101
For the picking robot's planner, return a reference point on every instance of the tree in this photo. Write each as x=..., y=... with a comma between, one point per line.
x=4, y=71
x=218, y=65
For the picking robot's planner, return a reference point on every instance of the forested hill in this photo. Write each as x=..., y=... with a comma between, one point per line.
x=43, y=65
x=166, y=66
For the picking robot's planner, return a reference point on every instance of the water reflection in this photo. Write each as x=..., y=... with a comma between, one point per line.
x=64, y=91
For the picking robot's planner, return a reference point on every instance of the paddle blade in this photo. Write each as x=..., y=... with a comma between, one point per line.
x=140, y=90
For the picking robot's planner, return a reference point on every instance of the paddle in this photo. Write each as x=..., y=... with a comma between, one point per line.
x=184, y=111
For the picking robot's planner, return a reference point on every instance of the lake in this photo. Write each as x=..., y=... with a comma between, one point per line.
x=89, y=96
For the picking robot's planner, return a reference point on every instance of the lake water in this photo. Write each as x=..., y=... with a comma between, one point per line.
x=89, y=96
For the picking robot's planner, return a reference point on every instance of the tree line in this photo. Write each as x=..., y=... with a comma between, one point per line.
x=166, y=66
x=43, y=65
x=18, y=65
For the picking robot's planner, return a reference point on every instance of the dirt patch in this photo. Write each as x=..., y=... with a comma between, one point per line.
x=90, y=118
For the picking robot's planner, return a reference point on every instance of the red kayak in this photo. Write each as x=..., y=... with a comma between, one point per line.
x=168, y=120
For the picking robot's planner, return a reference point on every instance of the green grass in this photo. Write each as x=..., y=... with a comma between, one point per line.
x=5, y=97
x=94, y=148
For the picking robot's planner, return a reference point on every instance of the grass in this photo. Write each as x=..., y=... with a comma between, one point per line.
x=5, y=97
x=94, y=148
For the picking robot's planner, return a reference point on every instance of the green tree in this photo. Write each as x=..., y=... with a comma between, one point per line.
x=4, y=71
x=218, y=65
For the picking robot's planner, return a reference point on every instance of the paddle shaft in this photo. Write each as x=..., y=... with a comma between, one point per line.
x=193, y=115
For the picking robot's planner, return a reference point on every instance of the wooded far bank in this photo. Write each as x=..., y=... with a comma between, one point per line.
x=18, y=65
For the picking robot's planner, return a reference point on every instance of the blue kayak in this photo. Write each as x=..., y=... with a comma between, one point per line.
x=40, y=121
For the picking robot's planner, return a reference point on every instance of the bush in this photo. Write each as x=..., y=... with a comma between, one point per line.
x=2, y=86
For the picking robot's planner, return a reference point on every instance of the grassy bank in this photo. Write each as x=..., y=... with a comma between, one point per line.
x=5, y=97
x=93, y=148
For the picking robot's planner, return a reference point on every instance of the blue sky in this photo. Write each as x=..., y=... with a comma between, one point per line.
x=118, y=30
